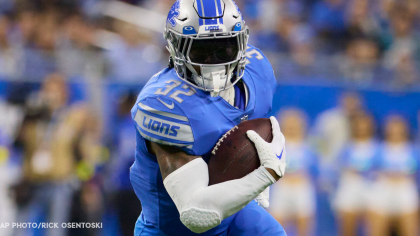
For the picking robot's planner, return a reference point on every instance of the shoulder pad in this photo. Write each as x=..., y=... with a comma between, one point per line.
x=159, y=119
x=167, y=84
x=256, y=59
x=253, y=52
x=258, y=66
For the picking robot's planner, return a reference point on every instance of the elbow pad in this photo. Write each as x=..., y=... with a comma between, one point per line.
x=202, y=207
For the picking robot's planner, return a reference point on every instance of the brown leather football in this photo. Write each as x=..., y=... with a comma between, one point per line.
x=234, y=155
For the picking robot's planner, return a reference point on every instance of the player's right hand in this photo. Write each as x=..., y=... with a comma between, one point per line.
x=272, y=155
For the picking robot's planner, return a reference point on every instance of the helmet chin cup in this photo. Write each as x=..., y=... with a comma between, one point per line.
x=213, y=78
x=217, y=81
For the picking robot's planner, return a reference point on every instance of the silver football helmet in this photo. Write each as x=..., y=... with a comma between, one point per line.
x=207, y=40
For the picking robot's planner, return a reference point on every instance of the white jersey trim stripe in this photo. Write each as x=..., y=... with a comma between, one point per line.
x=162, y=113
x=164, y=128
x=161, y=141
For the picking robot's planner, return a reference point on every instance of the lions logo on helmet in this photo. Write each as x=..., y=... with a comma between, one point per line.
x=207, y=40
x=173, y=13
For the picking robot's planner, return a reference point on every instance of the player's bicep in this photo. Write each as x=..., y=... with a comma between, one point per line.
x=169, y=158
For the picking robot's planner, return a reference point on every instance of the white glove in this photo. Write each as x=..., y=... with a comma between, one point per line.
x=272, y=155
x=263, y=198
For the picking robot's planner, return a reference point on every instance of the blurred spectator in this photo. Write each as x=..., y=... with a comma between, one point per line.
x=332, y=128
x=293, y=199
x=360, y=22
x=400, y=68
x=276, y=39
x=74, y=47
x=9, y=174
x=9, y=51
x=87, y=206
x=302, y=62
x=328, y=15
x=401, y=31
x=10, y=163
x=355, y=166
x=328, y=20
x=133, y=57
x=402, y=47
x=359, y=63
x=395, y=200
x=40, y=56
x=24, y=29
x=270, y=10
x=57, y=140
x=301, y=41
x=126, y=201
x=272, y=13
x=11, y=119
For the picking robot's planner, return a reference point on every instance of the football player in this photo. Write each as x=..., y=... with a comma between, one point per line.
x=215, y=80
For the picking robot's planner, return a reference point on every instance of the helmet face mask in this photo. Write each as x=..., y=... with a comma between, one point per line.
x=213, y=59
x=214, y=51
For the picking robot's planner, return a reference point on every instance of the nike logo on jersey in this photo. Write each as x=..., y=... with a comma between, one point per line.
x=167, y=105
x=281, y=154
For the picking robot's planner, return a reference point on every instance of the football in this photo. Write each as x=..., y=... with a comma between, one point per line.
x=234, y=155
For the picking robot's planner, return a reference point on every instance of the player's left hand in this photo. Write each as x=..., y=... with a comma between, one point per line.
x=263, y=198
x=272, y=155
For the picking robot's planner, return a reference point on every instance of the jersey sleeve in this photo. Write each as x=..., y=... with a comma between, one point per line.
x=161, y=120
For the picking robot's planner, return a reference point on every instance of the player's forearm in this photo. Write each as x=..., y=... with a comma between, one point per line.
x=186, y=179
x=203, y=207
x=232, y=196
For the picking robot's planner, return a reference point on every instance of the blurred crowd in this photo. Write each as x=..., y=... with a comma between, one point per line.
x=359, y=42
x=368, y=174
x=41, y=37
x=57, y=165
x=58, y=162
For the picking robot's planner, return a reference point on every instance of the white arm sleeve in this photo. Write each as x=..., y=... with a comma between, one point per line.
x=203, y=207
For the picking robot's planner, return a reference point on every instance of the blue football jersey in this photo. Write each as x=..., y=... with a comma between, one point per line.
x=171, y=112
